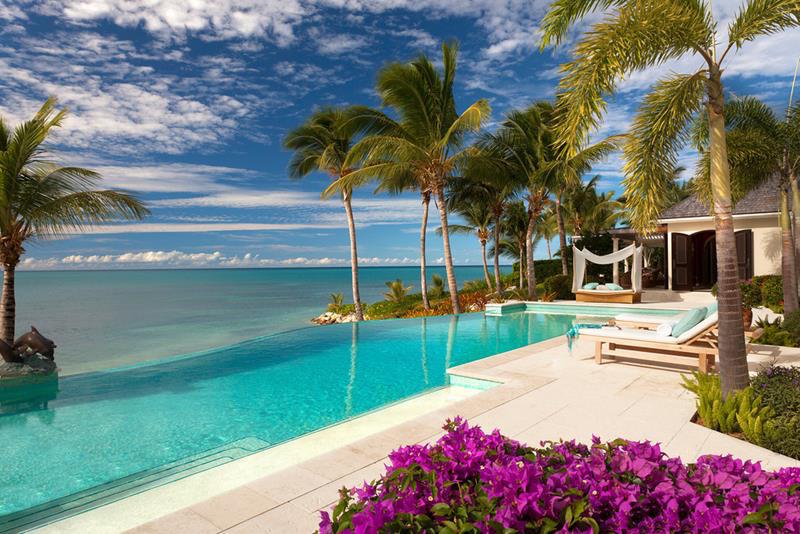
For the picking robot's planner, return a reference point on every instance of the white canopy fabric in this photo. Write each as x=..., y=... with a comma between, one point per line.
x=579, y=258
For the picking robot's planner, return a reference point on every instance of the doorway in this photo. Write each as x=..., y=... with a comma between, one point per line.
x=694, y=259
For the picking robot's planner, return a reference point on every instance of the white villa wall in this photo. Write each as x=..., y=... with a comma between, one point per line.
x=766, y=239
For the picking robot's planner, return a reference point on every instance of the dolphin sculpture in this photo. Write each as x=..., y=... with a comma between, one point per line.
x=34, y=342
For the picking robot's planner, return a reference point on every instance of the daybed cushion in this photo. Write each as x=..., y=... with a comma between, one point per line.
x=711, y=320
x=692, y=318
x=614, y=287
x=590, y=285
x=604, y=292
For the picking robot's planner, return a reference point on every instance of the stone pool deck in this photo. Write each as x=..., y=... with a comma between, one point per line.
x=546, y=393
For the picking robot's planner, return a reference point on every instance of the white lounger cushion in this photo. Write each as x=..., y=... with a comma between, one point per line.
x=636, y=334
x=652, y=319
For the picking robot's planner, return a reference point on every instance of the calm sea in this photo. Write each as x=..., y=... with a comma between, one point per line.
x=104, y=319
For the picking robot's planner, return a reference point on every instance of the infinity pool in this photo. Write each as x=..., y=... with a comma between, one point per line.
x=170, y=418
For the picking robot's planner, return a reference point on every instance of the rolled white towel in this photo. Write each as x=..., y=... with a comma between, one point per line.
x=665, y=329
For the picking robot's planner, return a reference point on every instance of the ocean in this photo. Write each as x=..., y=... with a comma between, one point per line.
x=108, y=319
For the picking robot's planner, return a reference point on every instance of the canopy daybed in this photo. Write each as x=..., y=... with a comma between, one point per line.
x=603, y=293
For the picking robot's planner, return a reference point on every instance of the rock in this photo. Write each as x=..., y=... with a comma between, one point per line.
x=35, y=364
x=334, y=318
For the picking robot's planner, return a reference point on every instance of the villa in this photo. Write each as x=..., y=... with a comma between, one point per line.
x=685, y=236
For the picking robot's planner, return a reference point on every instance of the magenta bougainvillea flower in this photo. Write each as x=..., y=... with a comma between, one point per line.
x=470, y=481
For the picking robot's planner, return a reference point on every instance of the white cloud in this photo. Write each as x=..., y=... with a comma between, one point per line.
x=178, y=258
x=334, y=45
x=165, y=228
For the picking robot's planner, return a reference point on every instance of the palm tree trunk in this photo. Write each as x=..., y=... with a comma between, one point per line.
x=521, y=264
x=448, y=256
x=351, y=225
x=734, y=373
x=426, y=201
x=787, y=255
x=8, y=303
x=549, y=252
x=498, y=284
x=485, y=265
x=562, y=236
x=529, y=254
x=796, y=217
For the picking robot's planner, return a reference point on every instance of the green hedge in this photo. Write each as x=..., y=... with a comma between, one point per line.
x=560, y=285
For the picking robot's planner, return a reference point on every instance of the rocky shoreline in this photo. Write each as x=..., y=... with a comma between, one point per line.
x=334, y=318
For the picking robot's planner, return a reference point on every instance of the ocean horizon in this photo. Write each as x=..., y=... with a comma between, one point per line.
x=107, y=318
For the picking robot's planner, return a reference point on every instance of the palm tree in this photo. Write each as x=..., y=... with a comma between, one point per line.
x=397, y=291
x=41, y=199
x=563, y=172
x=323, y=143
x=427, y=140
x=515, y=227
x=546, y=229
x=588, y=211
x=478, y=219
x=760, y=146
x=637, y=35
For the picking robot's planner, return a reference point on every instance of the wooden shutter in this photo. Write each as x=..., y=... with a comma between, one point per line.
x=744, y=253
x=681, y=266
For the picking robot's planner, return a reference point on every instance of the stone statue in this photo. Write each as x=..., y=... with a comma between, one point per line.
x=32, y=354
x=34, y=343
x=8, y=353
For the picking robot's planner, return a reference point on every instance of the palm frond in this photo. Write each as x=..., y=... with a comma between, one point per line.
x=563, y=13
x=640, y=34
x=762, y=17
x=658, y=132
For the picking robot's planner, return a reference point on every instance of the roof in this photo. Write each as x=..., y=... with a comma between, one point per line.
x=762, y=199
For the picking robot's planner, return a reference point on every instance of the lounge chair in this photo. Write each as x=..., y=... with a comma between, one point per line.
x=699, y=342
x=641, y=320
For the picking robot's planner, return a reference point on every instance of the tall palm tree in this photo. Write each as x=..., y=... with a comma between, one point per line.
x=639, y=34
x=478, y=218
x=518, y=147
x=40, y=199
x=323, y=143
x=588, y=211
x=426, y=141
x=515, y=227
x=760, y=146
x=546, y=229
x=563, y=171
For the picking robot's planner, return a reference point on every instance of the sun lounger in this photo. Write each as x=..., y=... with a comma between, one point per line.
x=642, y=320
x=698, y=342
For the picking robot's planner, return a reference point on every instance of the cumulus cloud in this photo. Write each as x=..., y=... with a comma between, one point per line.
x=178, y=258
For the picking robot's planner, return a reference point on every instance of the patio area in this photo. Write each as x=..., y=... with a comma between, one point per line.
x=545, y=393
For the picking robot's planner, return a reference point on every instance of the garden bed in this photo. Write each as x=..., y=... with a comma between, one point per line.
x=470, y=481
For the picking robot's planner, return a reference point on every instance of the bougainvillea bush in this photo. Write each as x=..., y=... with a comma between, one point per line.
x=470, y=481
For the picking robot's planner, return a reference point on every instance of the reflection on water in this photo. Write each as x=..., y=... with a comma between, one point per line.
x=28, y=394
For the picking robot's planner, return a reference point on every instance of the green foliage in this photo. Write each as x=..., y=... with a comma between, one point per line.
x=751, y=294
x=772, y=293
x=397, y=291
x=775, y=335
x=791, y=324
x=436, y=290
x=559, y=285
x=780, y=389
x=742, y=411
x=337, y=299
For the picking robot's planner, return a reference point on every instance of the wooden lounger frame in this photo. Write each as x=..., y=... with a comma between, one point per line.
x=617, y=297
x=703, y=346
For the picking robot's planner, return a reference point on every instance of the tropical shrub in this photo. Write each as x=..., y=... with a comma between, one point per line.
x=397, y=291
x=437, y=287
x=559, y=285
x=772, y=293
x=751, y=294
x=780, y=389
x=337, y=299
x=791, y=324
x=742, y=411
x=470, y=481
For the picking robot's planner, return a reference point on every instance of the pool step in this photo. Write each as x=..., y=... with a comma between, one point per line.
x=115, y=490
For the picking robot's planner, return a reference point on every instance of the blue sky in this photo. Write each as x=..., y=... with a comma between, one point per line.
x=186, y=103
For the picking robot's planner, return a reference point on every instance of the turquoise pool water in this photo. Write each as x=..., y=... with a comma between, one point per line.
x=105, y=426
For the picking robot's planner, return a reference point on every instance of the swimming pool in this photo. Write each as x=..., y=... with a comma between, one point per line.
x=156, y=422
